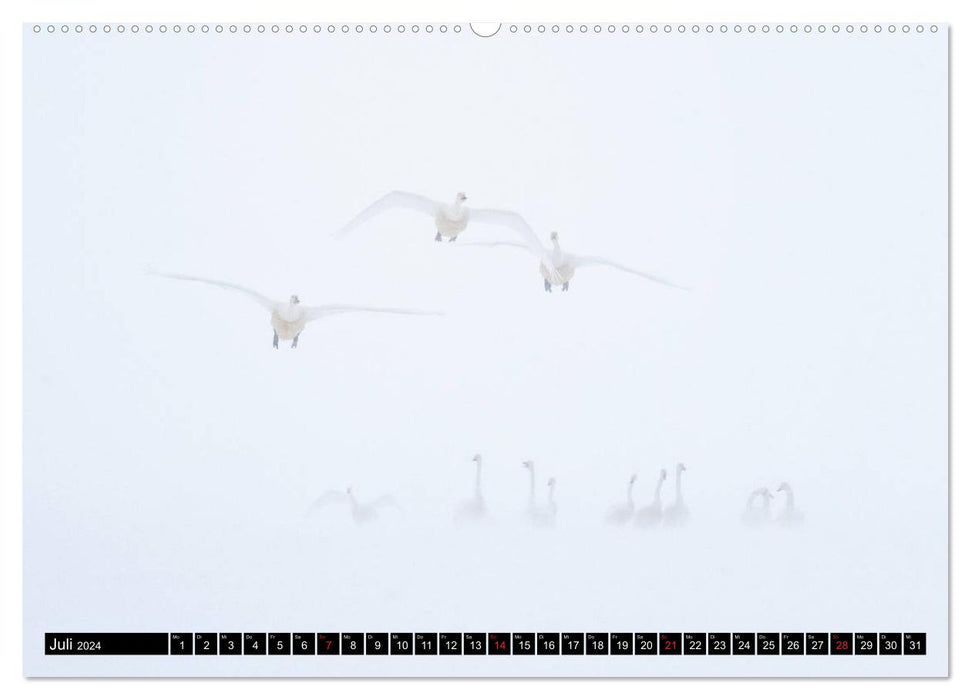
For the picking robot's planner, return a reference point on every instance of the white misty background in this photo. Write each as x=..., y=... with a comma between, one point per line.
x=796, y=185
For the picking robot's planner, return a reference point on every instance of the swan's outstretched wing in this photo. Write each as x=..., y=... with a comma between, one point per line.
x=313, y=313
x=392, y=200
x=385, y=501
x=583, y=260
x=327, y=498
x=263, y=301
x=496, y=244
x=513, y=221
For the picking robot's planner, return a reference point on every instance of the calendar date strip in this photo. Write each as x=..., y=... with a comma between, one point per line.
x=487, y=644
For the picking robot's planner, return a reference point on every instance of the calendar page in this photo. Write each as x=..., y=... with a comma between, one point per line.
x=542, y=349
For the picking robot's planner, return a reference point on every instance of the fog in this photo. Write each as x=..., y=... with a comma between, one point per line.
x=796, y=185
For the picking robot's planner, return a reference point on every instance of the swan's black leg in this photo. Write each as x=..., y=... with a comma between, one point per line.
x=566, y=286
x=547, y=286
x=276, y=341
x=438, y=236
x=295, y=339
x=452, y=239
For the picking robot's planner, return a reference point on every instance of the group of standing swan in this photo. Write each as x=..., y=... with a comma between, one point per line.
x=758, y=508
x=757, y=513
x=654, y=513
x=556, y=266
x=538, y=514
x=544, y=514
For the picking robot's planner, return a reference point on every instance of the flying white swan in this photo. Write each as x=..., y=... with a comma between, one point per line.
x=545, y=515
x=677, y=512
x=474, y=508
x=450, y=219
x=790, y=515
x=621, y=514
x=555, y=264
x=288, y=319
x=757, y=514
x=650, y=515
x=360, y=512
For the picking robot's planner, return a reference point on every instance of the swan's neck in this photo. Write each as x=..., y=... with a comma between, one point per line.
x=677, y=486
x=532, y=487
x=751, y=500
x=456, y=209
x=790, y=500
x=556, y=246
x=353, y=500
x=630, y=494
x=549, y=496
x=478, y=479
x=657, y=489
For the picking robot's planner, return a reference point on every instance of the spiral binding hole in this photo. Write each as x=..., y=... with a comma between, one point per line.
x=512, y=29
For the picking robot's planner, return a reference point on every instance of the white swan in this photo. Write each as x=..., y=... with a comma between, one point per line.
x=757, y=514
x=531, y=505
x=475, y=508
x=677, y=512
x=545, y=515
x=650, y=515
x=621, y=514
x=360, y=512
x=790, y=515
x=556, y=265
x=288, y=319
x=450, y=219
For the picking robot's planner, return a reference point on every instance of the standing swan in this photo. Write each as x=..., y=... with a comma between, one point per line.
x=360, y=512
x=531, y=505
x=677, y=512
x=290, y=318
x=621, y=514
x=790, y=515
x=556, y=265
x=545, y=516
x=650, y=515
x=450, y=219
x=757, y=515
x=474, y=509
